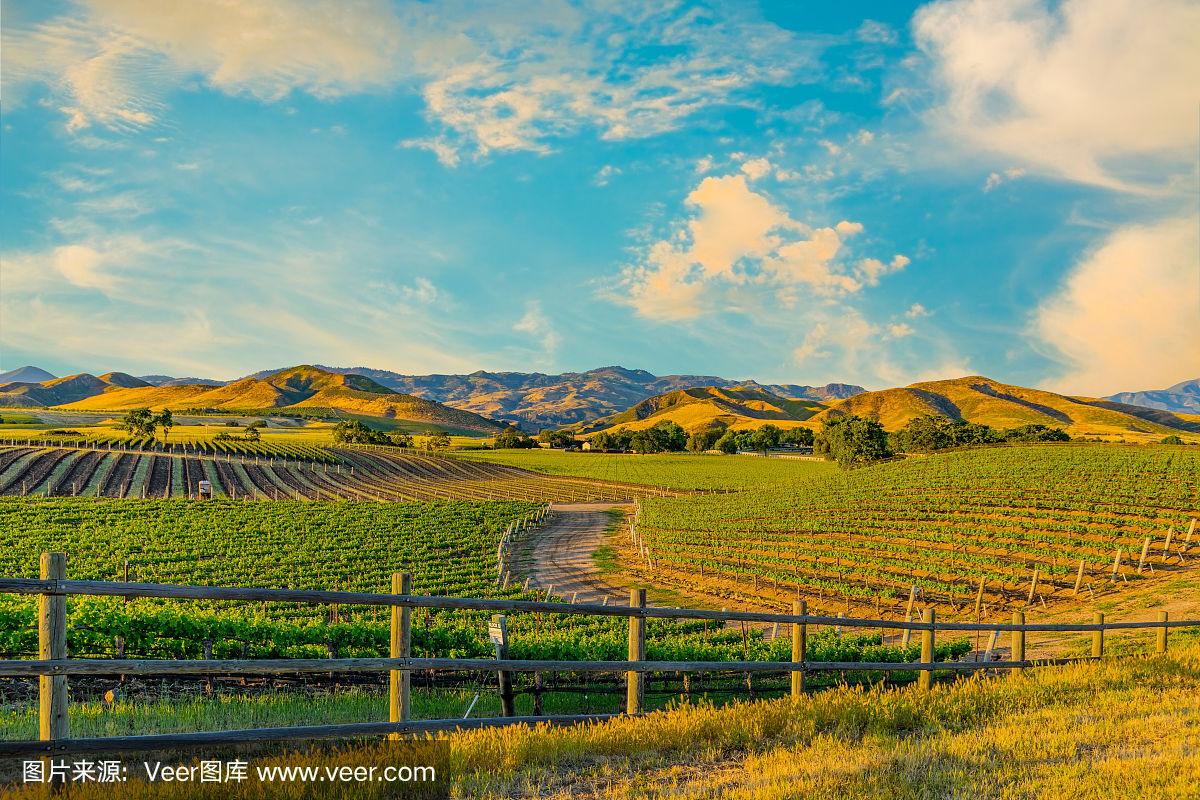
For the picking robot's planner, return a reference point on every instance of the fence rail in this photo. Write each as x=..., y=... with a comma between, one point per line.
x=53, y=666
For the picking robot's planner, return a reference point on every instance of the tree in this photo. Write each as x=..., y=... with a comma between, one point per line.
x=644, y=442
x=801, y=437
x=139, y=422
x=352, y=431
x=165, y=421
x=401, y=439
x=727, y=444
x=1172, y=439
x=702, y=441
x=252, y=433
x=560, y=439
x=512, y=438
x=669, y=436
x=853, y=440
x=438, y=440
x=1036, y=433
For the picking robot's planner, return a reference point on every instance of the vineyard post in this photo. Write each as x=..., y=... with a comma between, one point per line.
x=1098, y=635
x=1162, y=634
x=979, y=598
x=498, y=634
x=1018, y=636
x=1116, y=563
x=926, y=679
x=799, y=646
x=1079, y=577
x=1032, y=585
x=1145, y=550
x=1167, y=544
x=1188, y=541
x=52, y=644
x=635, y=682
x=401, y=647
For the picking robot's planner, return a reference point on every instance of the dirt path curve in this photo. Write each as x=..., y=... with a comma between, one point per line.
x=560, y=554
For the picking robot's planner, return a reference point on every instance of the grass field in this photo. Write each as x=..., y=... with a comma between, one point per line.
x=1102, y=729
x=673, y=470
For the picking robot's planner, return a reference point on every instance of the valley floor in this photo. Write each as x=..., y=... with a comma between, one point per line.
x=1112, y=729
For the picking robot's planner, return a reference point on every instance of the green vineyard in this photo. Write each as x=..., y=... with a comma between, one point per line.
x=450, y=549
x=947, y=524
x=377, y=474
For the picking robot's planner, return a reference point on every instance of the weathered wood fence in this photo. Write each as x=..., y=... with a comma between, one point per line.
x=53, y=666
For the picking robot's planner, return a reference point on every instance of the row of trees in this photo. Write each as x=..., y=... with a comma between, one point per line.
x=932, y=432
x=353, y=431
x=853, y=440
x=768, y=437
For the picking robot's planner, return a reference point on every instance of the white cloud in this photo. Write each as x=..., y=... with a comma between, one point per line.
x=874, y=32
x=1128, y=315
x=1096, y=91
x=704, y=165
x=916, y=311
x=422, y=292
x=739, y=237
x=996, y=178
x=898, y=330
x=756, y=168
x=446, y=154
x=538, y=325
x=605, y=174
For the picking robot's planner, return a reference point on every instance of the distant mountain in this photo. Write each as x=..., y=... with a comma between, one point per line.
x=297, y=388
x=1182, y=398
x=167, y=380
x=26, y=374
x=535, y=400
x=707, y=407
x=70, y=389
x=989, y=402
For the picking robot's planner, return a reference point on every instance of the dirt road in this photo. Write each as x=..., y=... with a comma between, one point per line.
x=560, y=554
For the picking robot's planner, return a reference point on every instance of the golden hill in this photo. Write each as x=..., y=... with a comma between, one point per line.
x=985, y=401
x=710, y=407
x=68, y=389
x=298, y=388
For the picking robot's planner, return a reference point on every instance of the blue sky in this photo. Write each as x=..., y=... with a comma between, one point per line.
x=874, y=193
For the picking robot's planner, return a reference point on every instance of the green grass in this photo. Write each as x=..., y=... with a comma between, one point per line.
x=674, y=470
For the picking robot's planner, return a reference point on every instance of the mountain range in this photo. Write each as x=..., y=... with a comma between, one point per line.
x=299, y=389
x=971, y=399
x=1182, y=398
x=535, y=400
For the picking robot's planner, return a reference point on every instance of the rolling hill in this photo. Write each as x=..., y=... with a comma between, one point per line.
x=298, y=388
x=536, y=400
x=710, y=407
x=1182, y=398
x=26, y=374
x=70, y=389
x=982, y=400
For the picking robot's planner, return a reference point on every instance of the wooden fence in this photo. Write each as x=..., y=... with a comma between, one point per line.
x=53, y=665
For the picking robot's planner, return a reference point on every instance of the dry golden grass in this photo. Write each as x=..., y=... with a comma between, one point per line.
x=1114, y=729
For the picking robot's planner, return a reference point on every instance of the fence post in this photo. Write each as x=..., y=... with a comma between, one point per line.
x=799, y=646
x=1018, y=637
x=401, y=647
x=52, y=644
x=1098, y=635
x=926, y=678
x=635, y=682
x=498, y=635
x=1162, y=633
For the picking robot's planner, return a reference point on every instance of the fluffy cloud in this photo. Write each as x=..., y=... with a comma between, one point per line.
x=756, y=168
x=538, y=325
x=1095, y=91
x=916, y=311
x=1128, y=315
x=996, y=178
x=490, y=82
x=737, y=237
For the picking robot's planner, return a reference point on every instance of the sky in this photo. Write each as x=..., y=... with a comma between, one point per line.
x=876, y=193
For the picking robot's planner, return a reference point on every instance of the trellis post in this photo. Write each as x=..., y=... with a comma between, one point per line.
x=52, y=645
x=635, y=682
x=799, y=646
x=399, y=680
x=926, y=679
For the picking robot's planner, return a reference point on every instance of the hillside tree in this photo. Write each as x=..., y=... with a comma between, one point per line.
x=853, y=440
